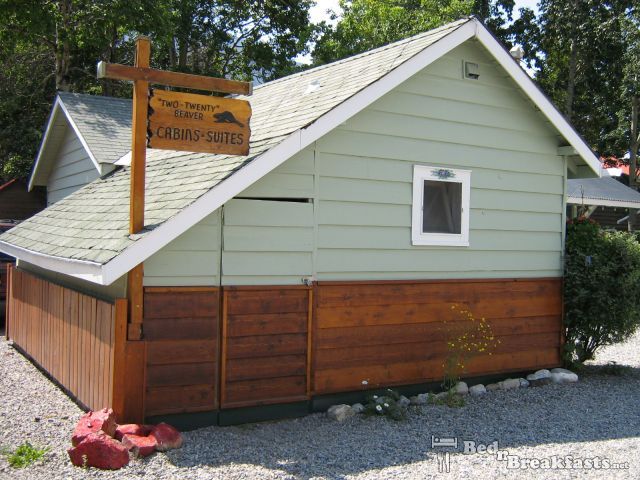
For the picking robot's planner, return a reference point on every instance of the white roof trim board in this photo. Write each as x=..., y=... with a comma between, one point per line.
x=293, y=143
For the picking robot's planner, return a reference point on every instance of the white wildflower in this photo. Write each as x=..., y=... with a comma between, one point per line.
x=379, y=408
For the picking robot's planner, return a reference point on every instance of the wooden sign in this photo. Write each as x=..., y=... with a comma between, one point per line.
x=198, y=123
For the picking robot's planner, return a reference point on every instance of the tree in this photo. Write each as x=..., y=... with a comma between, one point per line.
x=576, y=47
x=246, y=40
x=50, y=45
x=367, y=24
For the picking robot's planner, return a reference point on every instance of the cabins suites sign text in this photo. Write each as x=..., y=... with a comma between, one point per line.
x=198, y=123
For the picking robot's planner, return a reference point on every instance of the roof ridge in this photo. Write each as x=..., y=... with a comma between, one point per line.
x=63, y=94
x=397, y=43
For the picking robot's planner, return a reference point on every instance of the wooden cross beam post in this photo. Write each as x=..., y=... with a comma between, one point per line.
x=142, y=76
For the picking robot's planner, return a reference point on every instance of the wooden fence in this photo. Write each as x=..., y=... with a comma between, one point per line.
x=68, y=334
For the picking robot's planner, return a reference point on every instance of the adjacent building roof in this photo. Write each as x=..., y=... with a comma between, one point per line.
x=103, y=125
x=605, y=192
x=85, y=234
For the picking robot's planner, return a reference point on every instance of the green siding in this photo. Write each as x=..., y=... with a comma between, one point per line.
x=358, y=178
x=191, y=259
x=267, y=242
x=438, y=118
x=72, y=170
x=292, y=179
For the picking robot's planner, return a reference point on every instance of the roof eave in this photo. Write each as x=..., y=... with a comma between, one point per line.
x=601, y=202
x=82, y=269
x=538, y=97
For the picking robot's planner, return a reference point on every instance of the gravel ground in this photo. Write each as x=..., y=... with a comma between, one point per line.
x=597, y=417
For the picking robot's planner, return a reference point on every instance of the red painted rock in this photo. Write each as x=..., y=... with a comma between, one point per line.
x=93, y=422
x=132, y=429
x=100, y=451
x=140, y=446
x=166, y=437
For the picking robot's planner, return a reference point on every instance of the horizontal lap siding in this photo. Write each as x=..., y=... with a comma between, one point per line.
x=267, y=242
x=191, y=259
x=69, y=334
x=73, y=169
x=266, y=344
x=438, y=118
x=395, y=333
x=181, y=331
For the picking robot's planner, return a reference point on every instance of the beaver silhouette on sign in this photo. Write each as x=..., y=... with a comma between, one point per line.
x=226, y=117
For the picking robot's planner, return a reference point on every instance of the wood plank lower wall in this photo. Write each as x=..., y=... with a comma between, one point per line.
x=181, y=331
x=68, y=334
x=393, y=333
x=265, y=345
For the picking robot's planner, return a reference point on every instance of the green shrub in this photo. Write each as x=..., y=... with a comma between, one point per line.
x=386, y=405
x=25, y=455
x=601, y=288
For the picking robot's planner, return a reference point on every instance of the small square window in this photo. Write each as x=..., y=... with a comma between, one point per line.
x=440, y=206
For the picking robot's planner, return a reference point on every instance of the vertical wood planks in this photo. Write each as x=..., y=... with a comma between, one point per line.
x=68, y=334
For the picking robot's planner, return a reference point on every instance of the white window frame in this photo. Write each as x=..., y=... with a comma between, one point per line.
x=427, y=172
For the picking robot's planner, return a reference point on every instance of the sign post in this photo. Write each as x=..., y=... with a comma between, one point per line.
x=176, y=121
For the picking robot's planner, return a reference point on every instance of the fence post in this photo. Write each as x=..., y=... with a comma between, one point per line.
x=129, y=360
x=8, y=300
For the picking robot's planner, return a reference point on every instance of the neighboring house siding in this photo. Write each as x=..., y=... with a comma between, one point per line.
x=438, y=118
x=73, y=169
x=191, y=259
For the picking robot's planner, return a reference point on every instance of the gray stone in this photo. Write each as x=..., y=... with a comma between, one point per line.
x=420, y=399
x=544, y=373
x=539, y=378
x=562, y=377
x=565, y=371
x=441, y=395
x=493, y=386
x=523, y=383
x=403, y=402
x=340, y=413
x=477, y=390
x=510, y=384
x=460, y=388
x=357, y=408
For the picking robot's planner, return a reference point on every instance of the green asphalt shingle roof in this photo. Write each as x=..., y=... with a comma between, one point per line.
x=103, y=122
x=91, y=224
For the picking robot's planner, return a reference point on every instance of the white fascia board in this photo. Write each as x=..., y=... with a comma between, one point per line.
x=602, y=202
x=294, y=143
x=538, y=97
x=84, y=143
x=43, y=144
x=89, y=271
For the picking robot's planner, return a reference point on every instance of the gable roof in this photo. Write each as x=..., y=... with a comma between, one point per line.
x=85, y=235
x=103, y=125
x=605, y=192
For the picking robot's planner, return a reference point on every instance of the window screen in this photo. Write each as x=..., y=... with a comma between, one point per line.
x=442, y=207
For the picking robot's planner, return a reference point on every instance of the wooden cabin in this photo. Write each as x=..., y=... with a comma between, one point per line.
x=379, y=191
